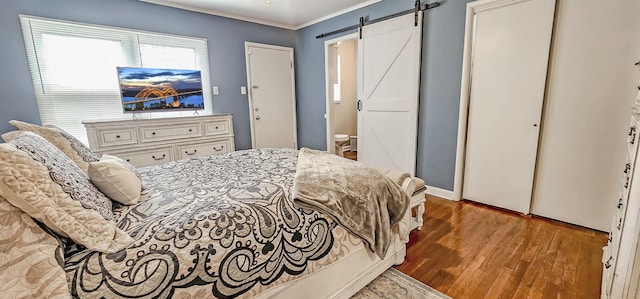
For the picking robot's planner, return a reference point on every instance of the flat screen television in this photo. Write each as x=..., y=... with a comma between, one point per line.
x=152, y=89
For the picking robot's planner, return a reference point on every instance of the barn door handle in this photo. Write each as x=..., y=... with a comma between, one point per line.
x=359, y=105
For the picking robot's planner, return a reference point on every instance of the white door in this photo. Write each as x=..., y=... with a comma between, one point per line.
x=388, y=78
x=272, y=103
x=510, y=53
x=590, y=90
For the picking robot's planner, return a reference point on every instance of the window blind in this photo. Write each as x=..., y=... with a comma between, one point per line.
x=73, y=67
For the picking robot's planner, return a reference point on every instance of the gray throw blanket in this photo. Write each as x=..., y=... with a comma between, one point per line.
x=361, y=198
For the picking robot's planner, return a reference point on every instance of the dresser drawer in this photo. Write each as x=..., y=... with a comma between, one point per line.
x=204, y=149
x=221, y=127
x=169, y=132
x=147, y=157
x=116, y=136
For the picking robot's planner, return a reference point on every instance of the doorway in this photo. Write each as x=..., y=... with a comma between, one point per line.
x=341, y=62
x=272, y=101
x=387, y=85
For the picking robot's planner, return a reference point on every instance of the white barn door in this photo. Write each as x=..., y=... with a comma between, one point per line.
x=388, y=79
x=510, y=52
x=272, y=102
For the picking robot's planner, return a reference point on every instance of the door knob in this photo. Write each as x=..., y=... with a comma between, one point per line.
x=257, y=117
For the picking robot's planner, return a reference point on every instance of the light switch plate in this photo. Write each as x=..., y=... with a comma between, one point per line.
x=243, y=90
x=216, y=90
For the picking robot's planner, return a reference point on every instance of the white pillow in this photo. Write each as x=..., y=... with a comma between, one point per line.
x=117, y=179
x=11, y=135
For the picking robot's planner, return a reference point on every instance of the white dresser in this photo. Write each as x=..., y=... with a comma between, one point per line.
x=145, y=142
x=621, y=256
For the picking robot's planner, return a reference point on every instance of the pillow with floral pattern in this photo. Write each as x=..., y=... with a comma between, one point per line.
x=67, y=143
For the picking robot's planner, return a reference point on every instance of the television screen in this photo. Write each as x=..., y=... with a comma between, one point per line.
x=150, y=89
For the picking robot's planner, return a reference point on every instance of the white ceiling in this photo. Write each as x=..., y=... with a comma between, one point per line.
x=290, y=14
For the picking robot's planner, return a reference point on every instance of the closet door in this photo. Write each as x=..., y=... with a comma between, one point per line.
x=510, y=54
x=591, y=86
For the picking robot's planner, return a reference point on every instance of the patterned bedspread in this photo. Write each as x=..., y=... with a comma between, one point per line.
x=221, y=226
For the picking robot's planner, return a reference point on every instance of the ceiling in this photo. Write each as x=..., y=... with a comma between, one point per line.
x=289, y=14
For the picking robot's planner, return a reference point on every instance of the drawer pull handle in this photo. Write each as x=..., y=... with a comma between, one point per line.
x=626, y=184
x=118, y=136
x=158, y=159
x=619, y=223
x=627, y=167
x=153, y=133
x=620, y=203
x=190, y=130
x=191, y=154
x=128, y=160
x=608, y=263
x=216, y=127
x=218, y=149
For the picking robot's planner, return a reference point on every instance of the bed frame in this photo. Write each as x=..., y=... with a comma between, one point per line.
x=343, y=278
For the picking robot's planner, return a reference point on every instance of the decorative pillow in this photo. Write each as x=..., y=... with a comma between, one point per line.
x=71, y=146
x=117, y=179
x=64, y=173
x=7, y=137
x=30, y=259
x=41, y=181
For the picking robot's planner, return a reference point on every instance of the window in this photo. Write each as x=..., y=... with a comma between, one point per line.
x=335, y=73
x=73, y=67
x=337, y=90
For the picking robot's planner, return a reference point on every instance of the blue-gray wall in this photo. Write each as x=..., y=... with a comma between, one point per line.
x=443, y=38
x=441, y=70
x=225, y=36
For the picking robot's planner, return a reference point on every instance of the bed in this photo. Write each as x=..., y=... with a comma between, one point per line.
x=221, y=226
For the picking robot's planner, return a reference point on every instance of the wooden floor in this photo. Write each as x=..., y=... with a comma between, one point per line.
x=351, y=155
x=468, y=250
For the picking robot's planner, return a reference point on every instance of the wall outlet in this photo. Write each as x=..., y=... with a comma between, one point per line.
x=216, y=90
x=243, y=90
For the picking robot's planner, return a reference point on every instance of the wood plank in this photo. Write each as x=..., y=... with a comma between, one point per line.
x=509, y=290
x=499, y=284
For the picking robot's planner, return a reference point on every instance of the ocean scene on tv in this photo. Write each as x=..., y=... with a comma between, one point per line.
x=151, y=89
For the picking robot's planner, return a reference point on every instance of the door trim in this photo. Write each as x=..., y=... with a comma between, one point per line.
x=473, y=8
x=247, y=46
x=329, y=103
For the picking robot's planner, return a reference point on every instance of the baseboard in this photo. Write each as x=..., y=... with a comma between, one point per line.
x=435, y=191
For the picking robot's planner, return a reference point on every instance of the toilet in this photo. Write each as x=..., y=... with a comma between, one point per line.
x=341, y=140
